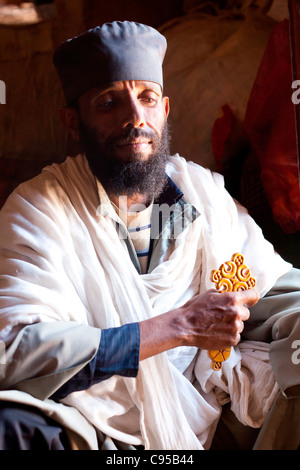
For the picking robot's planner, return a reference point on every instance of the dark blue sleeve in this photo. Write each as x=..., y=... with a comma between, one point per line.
x=118, y=354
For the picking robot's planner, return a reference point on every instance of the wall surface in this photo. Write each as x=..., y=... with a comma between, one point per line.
x=210, y=61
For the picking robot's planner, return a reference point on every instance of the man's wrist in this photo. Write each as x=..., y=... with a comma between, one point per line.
x=162, y=333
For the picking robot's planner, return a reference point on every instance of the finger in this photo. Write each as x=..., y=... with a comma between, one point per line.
x=240, y=327
x=249, y=297
x=244, y=313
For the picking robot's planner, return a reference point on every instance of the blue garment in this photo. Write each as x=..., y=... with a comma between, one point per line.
x=118, y=353
x=119, y=348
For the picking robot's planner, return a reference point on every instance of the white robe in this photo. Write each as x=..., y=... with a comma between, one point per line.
x=67, y=263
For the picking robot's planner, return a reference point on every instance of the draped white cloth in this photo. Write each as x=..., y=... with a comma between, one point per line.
x=64, y=261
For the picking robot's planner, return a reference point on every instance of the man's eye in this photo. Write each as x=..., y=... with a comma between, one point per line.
x=149, y=99
x=105, y=104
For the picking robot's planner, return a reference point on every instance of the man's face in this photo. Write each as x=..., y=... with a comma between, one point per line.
x=123, y=132
x=122, y=105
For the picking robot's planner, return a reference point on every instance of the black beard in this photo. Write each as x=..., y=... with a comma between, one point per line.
x=134, y=176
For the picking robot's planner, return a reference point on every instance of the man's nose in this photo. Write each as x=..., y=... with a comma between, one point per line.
x=133, y=114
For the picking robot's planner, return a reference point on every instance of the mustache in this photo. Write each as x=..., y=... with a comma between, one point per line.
x=131, y=134
x=132, y=176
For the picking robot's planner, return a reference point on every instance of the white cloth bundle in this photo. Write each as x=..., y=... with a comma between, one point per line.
x=67, y=263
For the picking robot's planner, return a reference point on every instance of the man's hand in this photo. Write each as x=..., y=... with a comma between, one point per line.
x=211, y=321
x=215, y=320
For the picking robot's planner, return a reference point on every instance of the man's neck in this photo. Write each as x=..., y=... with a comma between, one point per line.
x=135, y=203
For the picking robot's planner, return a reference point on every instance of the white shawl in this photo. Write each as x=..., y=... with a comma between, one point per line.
x=64, y=261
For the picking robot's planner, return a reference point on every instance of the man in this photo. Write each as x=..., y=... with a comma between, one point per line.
x=107, y=303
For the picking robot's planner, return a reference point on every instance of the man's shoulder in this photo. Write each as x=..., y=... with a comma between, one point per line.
x=55, y=182
x=181, y=170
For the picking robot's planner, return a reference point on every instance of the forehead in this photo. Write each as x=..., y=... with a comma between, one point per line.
x=123, y=86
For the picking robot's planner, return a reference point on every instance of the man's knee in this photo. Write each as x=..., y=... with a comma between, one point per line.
x=26, y=428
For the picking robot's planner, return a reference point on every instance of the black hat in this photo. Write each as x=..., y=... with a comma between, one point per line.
x=117, y=51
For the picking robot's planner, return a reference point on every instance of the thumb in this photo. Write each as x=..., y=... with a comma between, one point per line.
x=249, y=297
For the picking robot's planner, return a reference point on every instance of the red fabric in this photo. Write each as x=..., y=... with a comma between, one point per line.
x=223, y=130
x=270, y=130
x=270, y=127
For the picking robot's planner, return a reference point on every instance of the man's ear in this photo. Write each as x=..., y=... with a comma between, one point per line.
x=166, y=103
x=70, y=119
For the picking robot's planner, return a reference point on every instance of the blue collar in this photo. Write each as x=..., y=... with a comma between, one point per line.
x=171, y=193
